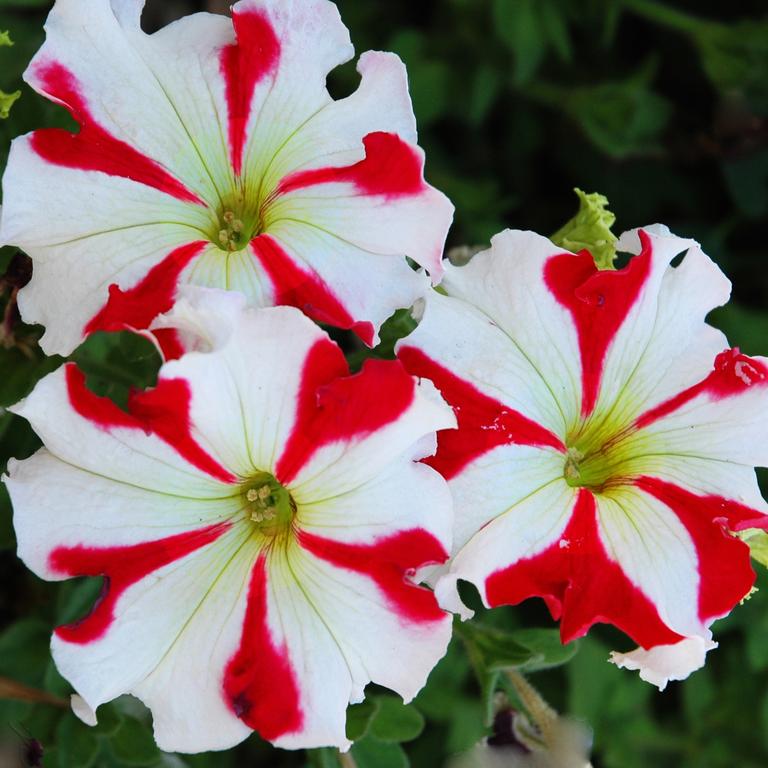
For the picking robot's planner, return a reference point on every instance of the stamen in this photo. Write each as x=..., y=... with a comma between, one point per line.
x=230, y=236
x=263, y=503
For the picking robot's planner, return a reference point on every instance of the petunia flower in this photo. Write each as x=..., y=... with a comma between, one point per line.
x=606, y=442
x=211, y=153
x=258, y=518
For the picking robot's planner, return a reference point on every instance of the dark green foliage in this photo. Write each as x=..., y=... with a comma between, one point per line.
x=660, y=106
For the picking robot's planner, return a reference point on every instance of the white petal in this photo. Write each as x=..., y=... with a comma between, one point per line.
x=350, y=457
x=657, y=554
x=82, y=711
x=514, y=319
x=532, y=522
x=664, y=344
x=468, y=340
x=663, y=663
x=126, y=454
x=341, y=631
x=57, y=504
x=181, y=619
x=253, y=376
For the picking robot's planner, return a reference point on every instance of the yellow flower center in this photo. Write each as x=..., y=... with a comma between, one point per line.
x=601, y=454
x=268, y=505
x=236, y=222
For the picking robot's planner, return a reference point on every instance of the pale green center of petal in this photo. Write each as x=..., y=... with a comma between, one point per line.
x=601, y=456
x=268, y=505
x=236, y=222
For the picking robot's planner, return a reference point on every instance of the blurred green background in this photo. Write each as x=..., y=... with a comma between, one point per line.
x=661, y=106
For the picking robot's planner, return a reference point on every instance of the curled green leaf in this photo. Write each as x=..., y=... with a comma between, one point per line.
x=590, y=228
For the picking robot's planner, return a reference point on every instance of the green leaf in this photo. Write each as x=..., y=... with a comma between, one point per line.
x=590, y=228
x=395, y=327
x=428, y=77
x=7, y=252
x=444, y=694
x=745, y=327
x=5, y=39
x=499, y=648
x=54, y=683
x=24, y=651
x=484, y=90
x=554, y=25
x=546, y=647
x=757, y=540
x=735, y=57
x=133, y=743
x=76, y=598
x=359, y=718
x=395, y=722
x=21, y=372
x=621, y=118
x=372, y=753
x=323, y=758
x=518, y=25
x=109, y=720
x=7, y=535
x=42, y=722
x=467, y=726
x=17, y=439
x=77, y=744
x=116, y=363
x=747, y=180
x=7, y=100
x=529, y=29
x=490, y=650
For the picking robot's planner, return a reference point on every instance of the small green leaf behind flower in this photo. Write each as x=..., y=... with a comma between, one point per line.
x=590, y=228
x=492, y=650
x=757, y=541
x=7, y=99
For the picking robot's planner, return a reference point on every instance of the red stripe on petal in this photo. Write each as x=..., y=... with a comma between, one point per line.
x=244, y=64
x=259, y=684
x=599, y=302
x=162, y=411
x=483, y=423
x=389, y=562
x=391, y=167
x=304, y=290
x=342, y=409
x=94, y=148
x=733, y=374
x=121, y=567
x=581, y=585
x=725, y=572
x=137, y=307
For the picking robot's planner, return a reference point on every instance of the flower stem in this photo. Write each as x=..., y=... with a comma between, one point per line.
x=346, y=760
x=542, y=715
x=10, y=689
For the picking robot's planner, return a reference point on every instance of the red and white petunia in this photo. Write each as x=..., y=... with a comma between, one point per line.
x=607, y=439
x=258, y=518
x=211, y=153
